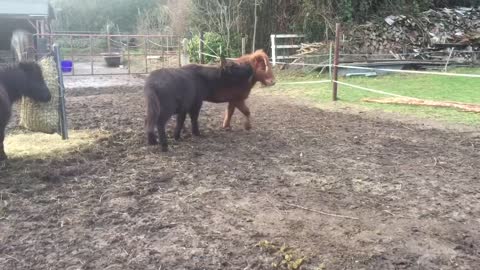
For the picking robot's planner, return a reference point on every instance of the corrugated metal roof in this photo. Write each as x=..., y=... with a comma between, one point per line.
x=24, y=7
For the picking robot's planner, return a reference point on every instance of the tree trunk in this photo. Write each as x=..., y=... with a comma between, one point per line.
x=254, y=26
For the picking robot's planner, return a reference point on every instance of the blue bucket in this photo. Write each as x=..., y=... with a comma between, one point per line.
x=67, y=65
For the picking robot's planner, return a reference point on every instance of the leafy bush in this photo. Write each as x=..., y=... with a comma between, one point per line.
x=214, y=44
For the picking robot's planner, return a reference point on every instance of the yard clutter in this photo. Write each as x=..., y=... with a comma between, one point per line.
x=431, y=31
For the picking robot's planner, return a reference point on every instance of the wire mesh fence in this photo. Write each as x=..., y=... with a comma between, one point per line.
x=102, y=54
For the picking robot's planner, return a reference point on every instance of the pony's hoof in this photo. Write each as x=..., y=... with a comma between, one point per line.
x=164, y=148
x=196, y=132
x=3, y=157
x=227, y=128
x=151, y=140
x=248, y=126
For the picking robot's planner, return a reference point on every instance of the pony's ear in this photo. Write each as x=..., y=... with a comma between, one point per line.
x=260, y=62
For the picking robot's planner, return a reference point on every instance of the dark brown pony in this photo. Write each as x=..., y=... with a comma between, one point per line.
x=23, y=79
x=236, y=95
x=181, y=91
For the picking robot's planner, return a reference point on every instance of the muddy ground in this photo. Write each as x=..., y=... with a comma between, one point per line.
x=408, y=195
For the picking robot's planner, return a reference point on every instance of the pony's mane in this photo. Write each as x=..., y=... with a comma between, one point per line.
x=252, y=56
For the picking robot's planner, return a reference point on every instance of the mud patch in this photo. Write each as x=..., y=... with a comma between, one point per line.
x=119, y=204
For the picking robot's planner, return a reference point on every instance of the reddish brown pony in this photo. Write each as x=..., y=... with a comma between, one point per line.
x=236, y=96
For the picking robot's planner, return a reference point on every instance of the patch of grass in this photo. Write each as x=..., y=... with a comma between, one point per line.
x=431, y=87
x=43, y=146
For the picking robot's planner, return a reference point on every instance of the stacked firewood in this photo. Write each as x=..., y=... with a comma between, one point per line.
x=438, y=29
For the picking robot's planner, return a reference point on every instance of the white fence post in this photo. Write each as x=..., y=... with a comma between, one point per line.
x=184, y=57
x=282, y=46
x=274, y=50
x=244, y=44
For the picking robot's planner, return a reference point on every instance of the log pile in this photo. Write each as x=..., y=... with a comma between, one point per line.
x=309, y=48
x=465, y=107
x=432, y=30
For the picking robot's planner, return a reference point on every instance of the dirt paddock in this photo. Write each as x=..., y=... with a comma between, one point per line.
x=413, y=193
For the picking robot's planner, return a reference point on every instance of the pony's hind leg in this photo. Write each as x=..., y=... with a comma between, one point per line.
x=150, y=129
x=180, y=122
x=162, y=135
x=151, y=118
x=3, y=156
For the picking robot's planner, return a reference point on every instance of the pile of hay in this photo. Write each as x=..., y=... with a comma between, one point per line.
x=40, y=116
x=45, y=146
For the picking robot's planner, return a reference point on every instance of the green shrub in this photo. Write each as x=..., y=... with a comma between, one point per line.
x=214, y=45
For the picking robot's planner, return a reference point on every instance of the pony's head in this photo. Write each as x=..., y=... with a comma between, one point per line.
x=263, y=69
x=36, y=88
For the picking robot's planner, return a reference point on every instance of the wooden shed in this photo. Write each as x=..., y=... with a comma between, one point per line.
x=31, y=16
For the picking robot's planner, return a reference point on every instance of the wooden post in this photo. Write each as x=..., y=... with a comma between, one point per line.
x=184, y=56
x=108, y=39
x=326, y=31
x=71, y=54
x=244, y=41
x=168, y=44
x=128, y=55
x=330, y=61
x=179, y=50
x=145, y=53
x=108, y=44
x=336, y=61
x=42, y=28
x=274, y=50
x=254, y=38
x=448, y=59
x=200, y=49
x=162, y=58
x=91, y=55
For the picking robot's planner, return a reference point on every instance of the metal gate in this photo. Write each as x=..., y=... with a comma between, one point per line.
x=103, y=54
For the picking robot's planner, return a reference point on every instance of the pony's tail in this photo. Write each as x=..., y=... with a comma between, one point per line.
x=152, y=114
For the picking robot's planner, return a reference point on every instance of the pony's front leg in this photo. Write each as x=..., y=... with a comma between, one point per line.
x=241, y=106
x=228, y=115
x=194, y=114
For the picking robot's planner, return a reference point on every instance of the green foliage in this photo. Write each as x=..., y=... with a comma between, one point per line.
x=346, y=12
x=313, y=22
x=214, y=44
